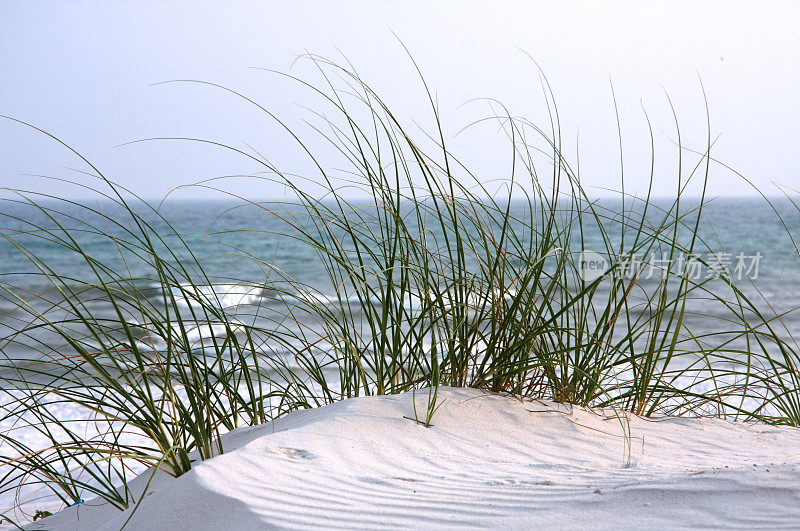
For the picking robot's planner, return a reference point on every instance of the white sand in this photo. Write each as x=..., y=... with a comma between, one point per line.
x=487, y=461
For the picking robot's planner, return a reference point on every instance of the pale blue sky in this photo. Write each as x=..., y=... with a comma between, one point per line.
x=84, y=70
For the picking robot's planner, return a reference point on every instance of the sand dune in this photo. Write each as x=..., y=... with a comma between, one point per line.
x=488, y=460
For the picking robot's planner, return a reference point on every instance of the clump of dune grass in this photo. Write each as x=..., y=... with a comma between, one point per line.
x=157, y=379
x=427, y=280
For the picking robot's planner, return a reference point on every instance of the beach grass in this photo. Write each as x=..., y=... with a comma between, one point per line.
x=436, y=281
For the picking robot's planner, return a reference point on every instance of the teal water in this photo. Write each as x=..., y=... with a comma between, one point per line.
x=241, y=247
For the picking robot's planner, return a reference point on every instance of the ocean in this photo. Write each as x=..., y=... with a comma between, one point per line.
x=242, y=247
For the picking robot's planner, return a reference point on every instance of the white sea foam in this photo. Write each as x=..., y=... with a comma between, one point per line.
x=220, y=295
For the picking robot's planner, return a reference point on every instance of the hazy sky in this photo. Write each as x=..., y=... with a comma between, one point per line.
x=85, y=72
